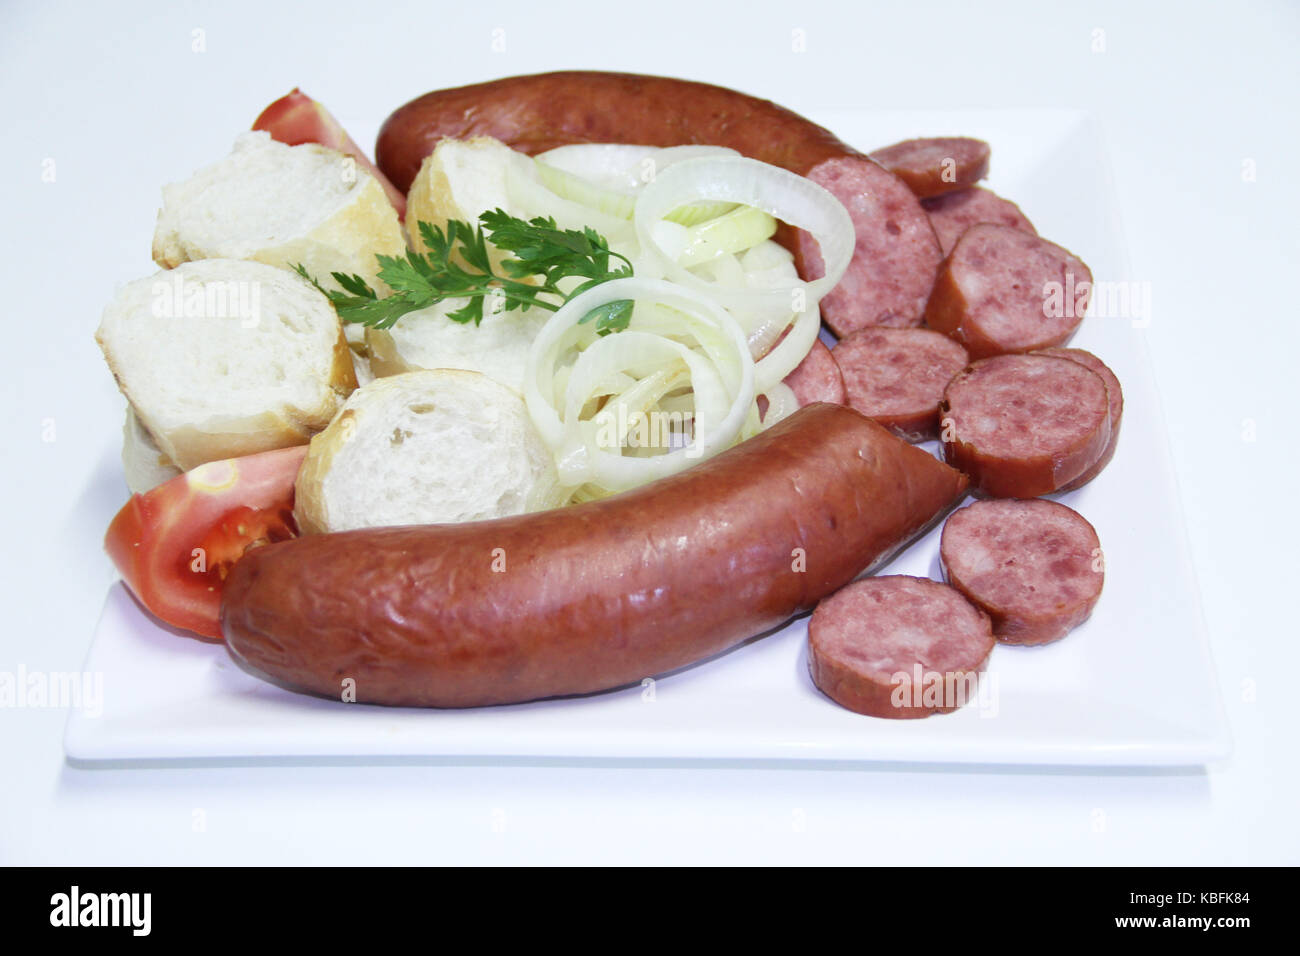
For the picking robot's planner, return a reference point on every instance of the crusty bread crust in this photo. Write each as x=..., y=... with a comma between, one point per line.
x=216, y=437
x=371, y=412
x=228, y=438
x=345, y=241
x=311, y=508
x=434, y=198
x=143, y=463
x=385, y=358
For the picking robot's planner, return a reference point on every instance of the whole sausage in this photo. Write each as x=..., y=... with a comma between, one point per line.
x=541, y=111
x=897, y=253
x=594, y=596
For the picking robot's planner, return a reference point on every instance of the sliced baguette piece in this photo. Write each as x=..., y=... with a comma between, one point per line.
x=426, y=447
x=143, y=463
x=497, y=347
x=220, y=358
x=286, y=206
x=282, y=205
x=460, y=179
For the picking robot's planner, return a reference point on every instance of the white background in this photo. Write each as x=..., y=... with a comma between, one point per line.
x=1189, y=96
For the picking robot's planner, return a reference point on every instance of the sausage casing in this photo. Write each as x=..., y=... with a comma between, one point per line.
x=593, y=596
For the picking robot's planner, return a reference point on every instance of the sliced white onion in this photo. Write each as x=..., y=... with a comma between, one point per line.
x=742, y=228
x=748, y=182
x=671, y=155
x=615, y=166
x=725, y=270
x=607, y=177
x=721, y=376
x=529, y=198
x=790, y=351
x=566, y=185
x=720, y=313
x=622, y=166
x=781, y=403
x=764, y=335
x=769, y=258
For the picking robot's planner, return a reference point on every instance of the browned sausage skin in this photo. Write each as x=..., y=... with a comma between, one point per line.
x=897, y=253
x=1115, y=396
x=541, y=111
x=594, y=596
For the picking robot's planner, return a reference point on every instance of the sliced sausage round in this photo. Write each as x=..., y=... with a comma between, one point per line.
x=932, y=167
x=897, y=253
x=817, y=378
x=1034, y=567
x=897, y=376
x=954, y=213
x=1021, y=426
x=1115, y=396
x=1004, y=290
x=898, y=647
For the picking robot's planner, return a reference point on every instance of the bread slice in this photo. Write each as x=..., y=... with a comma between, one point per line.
x=143, y=463
x=497, y=347
x=282, y=205
x=460, y=179
x=425, y=447
x=221, y=358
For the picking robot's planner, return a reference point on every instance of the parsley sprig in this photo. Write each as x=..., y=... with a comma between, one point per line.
x=457, y=265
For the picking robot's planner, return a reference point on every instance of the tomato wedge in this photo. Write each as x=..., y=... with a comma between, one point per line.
x=296, y=118
x=175, y=544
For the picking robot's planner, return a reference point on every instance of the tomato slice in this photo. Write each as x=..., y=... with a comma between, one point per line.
x=296, y=118
x=175, y=544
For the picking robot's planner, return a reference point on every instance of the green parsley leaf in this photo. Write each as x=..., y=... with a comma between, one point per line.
x=457, y=264
x=610, y=317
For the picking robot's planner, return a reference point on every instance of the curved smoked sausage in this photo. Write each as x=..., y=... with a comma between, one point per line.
x=596, y=595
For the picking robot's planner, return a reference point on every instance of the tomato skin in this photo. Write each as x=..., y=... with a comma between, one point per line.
x=224, y=506
x=296, y=118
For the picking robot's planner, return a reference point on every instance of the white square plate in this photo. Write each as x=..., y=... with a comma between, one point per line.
x=1133, y=686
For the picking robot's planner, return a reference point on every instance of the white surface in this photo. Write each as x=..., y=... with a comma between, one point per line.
x=119, y=101
x=1133, y=686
